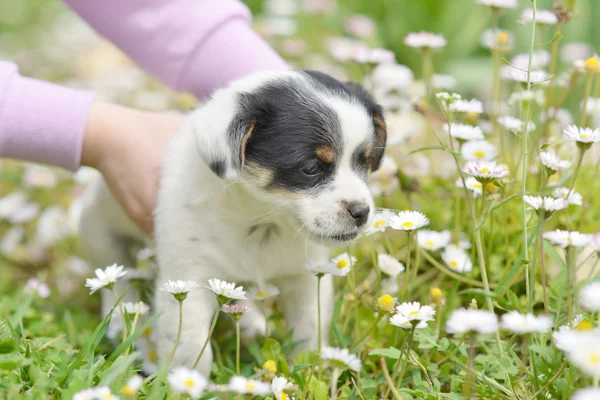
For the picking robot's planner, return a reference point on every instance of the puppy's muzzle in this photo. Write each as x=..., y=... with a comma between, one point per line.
x=359, y=211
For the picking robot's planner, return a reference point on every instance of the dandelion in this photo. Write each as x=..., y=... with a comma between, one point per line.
x=341, y=358
x=467, y=106
x=572, y=197
x=542, y=17
x=463, y=321
x=279, y=386
x=425, y=40
x=184, y=380
x=589, y=296
x=132, y=386
x=457, y=259
x=226, y=291
x=34, y=285
x=263, y=292
x=552, y=163
x=97, y=393
x=497, y=40
x=105, y=278
x=242, y=385
x=485, y=171
x=585, y=354
x=389, y=265
x=463, y=132
x=478, y=150
x=410, y=315
x=179, y=289
x=567, y=239
x=514, y=125
x=547, y=204
x=380, y=222
x=516, y=322
x=433, y=240
x=498, y=3
x=408, y=221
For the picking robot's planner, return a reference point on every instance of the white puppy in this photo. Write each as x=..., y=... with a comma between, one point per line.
x=259, y=181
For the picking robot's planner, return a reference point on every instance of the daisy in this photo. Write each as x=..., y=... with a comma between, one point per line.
x=37, y=176
x=542, y=17
x=567, y=336
x=463, y=132
x=516, y=322
x=179, y=289
x=366, y=55
x=412, y=314
x=589, y=393
x=359, y=25
x=497, y=39
x=572, y=52
x=105, y=278
x=390, y=76
x=573, y=198
x=433, y=240
x=389, y=265
x=340, y=267
x=485, y=171
x=262, y=292
x=408, y=221
x=52, y=226
x=518, y=75
x=585, y=354
x=133, y=308
x=467, y=106
x=341, y=358
x=464, y=321
x=35, y=285
x=589, y=296
x=425, y=40
x=242, y=385
x=589, y=66
x=527, y=96
x=132, y=386
x=97, y=393
x=498, y=3
x=226, y=291
x=279, y=385
x=236, y=311
x=457, y=259
x=547, y=204
x=380, y=222
x=386, y=304
x=447, y=98
x=443, y=82
x=472, y=184
x=595, y=242
x=553, y=163
x=514, y=125
x=184, y=380
x=584, y=137
x=566, y=238
x=539, y=59
x=478, y=150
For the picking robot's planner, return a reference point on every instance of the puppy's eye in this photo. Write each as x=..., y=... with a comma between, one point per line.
x=313, y=169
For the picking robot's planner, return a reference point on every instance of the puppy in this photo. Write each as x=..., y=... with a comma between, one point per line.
x=262, y=178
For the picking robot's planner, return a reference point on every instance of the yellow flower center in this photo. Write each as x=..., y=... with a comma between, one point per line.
x=379, y=223
x=584, y=135
x=262, y=293
x=342, y=264
x=453, y=264
x=128, y=390
x=250, y=385
x=502, y=39
x=594, y=358
x=189, y=383
x=386, y=303
x=407, y=224
x=413, y=313
x=479, y=154
x=270, y=366
x=592, y=64
x=585, y=325
x=477, y=185
x=152, y=356
x=485, y=169
x=148, y=331
x=429, y=243
x=284, y=396
x=436, y=293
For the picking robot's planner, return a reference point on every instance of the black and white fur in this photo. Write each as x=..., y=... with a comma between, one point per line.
x=261, y=179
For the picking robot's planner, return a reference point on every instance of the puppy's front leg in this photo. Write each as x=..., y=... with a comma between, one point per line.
x=198, y=310
x=298, y=301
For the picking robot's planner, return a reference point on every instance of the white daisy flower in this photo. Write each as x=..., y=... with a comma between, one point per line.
x=565, y=338
x=279, y=385
x=236, y=311
x=262, y=292
x=589, y=393
x=497, y=39
x=342, y=264
x=341, y=358
x=408, y=221
x=179, y=289
x=26, y=213
x=467, y=106
x=443, y=82
x=132, y=386
x=540, y=59
x=425, y=40
x=518, y=75
x=391, y=76
x=97, y=393
x=595, y=242
x=553, y=163
x=226, y=291
x=242, y=385
x=574, y=198
x=184, y=380
x=572, y=52
x=433, y=240
x=514, y=125
x=464, y=321
x=478, y=150
x=498, y=3
x=542, y=17
x=561, y=116
x=457, y=259
x=409, y=314
x=38, y=176
x=320, y=269
x=527, y=96
x=366, y=55
x=10, y=203
x=380, y=222
x=583, y=136
x=358, y=25
x=516, y=322
x=52, y=226
x=548, y=204
x=589, y=296
x=485, y=171
x=389, y=265
x=464, y=132
x=585, y=353
x=133, y=308
x=472, y=184
x=40, y=288
x=566, y=238
x=105, y=278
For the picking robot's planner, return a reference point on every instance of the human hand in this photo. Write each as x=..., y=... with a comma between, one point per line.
x=128, y=146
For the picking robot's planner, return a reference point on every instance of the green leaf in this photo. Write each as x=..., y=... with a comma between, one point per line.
x=433, y=148
x=506, y=281
x=391, y=352
x=10, y=362
x=271, y=349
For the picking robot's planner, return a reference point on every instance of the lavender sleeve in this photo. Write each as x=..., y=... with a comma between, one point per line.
x=192, y=45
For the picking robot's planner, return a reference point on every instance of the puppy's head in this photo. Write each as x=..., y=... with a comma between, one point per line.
x=300, y=139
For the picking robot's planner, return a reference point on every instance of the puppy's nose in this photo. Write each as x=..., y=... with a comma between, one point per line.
x=359, y=211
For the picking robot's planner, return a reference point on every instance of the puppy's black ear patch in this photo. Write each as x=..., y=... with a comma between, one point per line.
x=376, y=154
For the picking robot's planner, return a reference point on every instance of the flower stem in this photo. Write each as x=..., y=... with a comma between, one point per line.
x=588, y=90
x=541, y=226
x=178, y=337
x=470, y=376
x=427, y=74
x=134, y=324
x=407, y=274
x=334, y=380
x=408, y=347
x=319, y=334
x=122, y=310
x=237, y=347
x=569, y=253
x=579, y=160
x=210, y=332
x=367, y=333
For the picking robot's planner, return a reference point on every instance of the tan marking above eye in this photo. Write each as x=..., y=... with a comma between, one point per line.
x=325, y=154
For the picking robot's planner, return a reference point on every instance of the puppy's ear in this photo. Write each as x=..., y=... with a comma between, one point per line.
x=376, y=112
x=222, y=130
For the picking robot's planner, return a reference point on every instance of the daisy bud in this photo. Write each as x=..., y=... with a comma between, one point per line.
x=386, y=304
x=438, y=296
x=270, y=366
x=473, y=304
x=236, y=311
x=592, y=65
x=502, y=39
